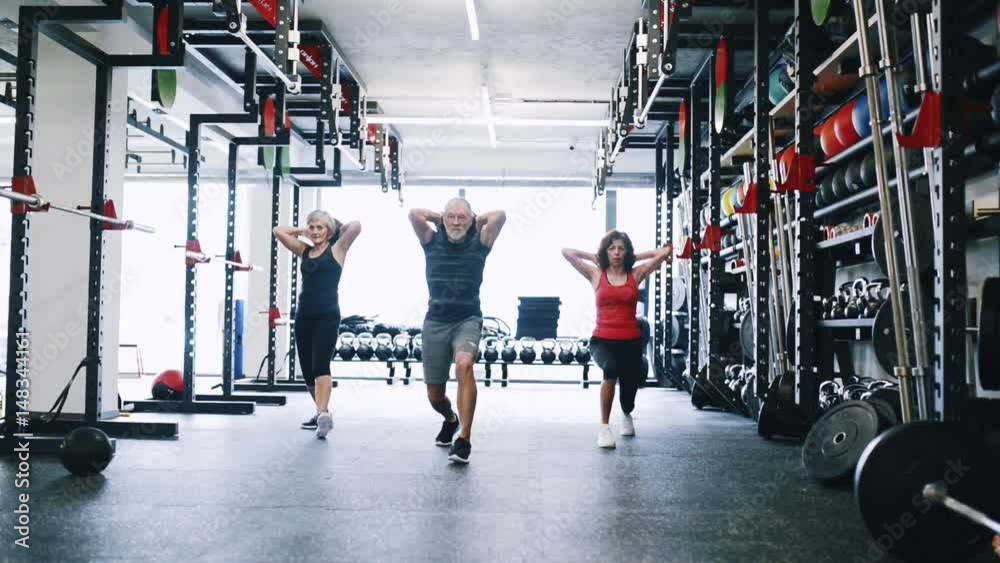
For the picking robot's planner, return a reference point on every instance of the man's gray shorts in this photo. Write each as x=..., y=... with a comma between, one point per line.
x=442, y=340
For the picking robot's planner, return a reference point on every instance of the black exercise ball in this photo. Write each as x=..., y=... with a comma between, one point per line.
x=86, y=451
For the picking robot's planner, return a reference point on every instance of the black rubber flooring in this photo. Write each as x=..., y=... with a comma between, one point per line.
x=692, y=486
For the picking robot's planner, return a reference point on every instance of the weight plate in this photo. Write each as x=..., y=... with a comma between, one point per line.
x=835, y=443
x=821, y=10
x=923, y=239
x=680, y=294
x=165, y=87
x=727, y=202
x=682, y=127
x=722, y=68
x=721, y=107
x=675, y=331
x=747, y=336
x=286, y=162
x=884, y=338
x=989, y=334
x=889, y=483
x=886, y=414
x=269, y=117
x=266, y=155
x=891, y=396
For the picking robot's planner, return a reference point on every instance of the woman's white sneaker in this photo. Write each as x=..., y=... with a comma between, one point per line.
x=604, y=438
x=628, y=428
x=324, y=424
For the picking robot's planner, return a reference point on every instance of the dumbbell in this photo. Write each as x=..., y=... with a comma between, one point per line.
x=365, y=350
x=418, y=348
x=527, y=350
x=566, y=355
x=491, y=353
x=508, y=354
x=401, y=344
x=583, y=351
x=548, y=351
x=346, y=349
x=382, y=350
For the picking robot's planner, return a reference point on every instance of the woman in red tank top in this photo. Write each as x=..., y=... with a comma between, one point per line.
x=615, y=273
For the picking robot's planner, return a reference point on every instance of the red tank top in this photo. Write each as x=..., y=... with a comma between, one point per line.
x=616, y=309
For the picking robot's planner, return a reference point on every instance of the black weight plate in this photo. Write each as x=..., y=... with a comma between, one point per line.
x=888, y=487
x=884, y=338
x=675, y=331
x=891, y=396
x=989, y=334
x=747, y=336
x=835, y=443
x=886, y=413
x=680, y=294
x=923, y=239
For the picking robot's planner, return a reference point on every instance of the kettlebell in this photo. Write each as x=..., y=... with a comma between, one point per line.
x=566, y=355
x=828, y=308
x=843, y=298
x=418, y=348
x=401, y=349
x=382, y=350
x=491, y=354
x=527, y=350
x=346, y=350
x=873, y=299
x=508, y=354
x=365, y=350
x=856, y=305
x=583, y=351
x=548, y=351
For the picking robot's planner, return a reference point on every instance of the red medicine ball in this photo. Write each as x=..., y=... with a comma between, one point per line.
x=169, y=386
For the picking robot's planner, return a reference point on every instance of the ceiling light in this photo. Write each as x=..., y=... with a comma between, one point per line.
x=470, y=9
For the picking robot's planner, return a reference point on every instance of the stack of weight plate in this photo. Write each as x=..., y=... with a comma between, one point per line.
x=538, y=317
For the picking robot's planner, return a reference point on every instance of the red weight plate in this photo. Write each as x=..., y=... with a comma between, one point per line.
x=682, y=118
x=722, y=64
x=269, y=117
x=163, y=31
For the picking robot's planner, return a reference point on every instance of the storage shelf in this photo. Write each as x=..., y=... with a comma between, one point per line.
x=843, y=240
x=847, y=50
x=865, y=196
x=847, y=323
x=743, y=148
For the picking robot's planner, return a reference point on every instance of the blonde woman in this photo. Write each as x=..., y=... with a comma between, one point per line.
x=317, y=315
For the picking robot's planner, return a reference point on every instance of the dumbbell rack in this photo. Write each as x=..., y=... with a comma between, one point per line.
x=407, y=367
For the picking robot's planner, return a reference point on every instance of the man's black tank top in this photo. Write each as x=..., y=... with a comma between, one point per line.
x=454, y=274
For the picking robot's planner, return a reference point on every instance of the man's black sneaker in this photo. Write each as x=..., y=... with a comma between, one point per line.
x=460, y=451
x=310, y=424
x=447, y=433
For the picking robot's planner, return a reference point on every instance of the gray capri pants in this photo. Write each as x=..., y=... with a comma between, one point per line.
x=442, y=340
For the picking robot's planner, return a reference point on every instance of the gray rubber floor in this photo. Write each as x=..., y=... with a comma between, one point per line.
x=692, y=486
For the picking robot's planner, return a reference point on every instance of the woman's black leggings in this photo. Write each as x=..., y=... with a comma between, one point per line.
x=316, y=339
x=621, y=360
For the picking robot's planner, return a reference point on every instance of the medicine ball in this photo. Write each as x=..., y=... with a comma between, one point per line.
x=86, y=451
x=169, y=386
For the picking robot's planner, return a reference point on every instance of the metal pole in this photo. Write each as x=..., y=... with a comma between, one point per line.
x=867, y=71
x=914, y=283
